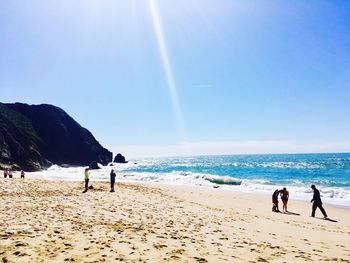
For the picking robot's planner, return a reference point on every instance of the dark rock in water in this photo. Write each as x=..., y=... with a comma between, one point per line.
x=119, y=158
x=94, y=166
x=34, y=137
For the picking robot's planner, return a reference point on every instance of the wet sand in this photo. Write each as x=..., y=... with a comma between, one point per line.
x=53, y=221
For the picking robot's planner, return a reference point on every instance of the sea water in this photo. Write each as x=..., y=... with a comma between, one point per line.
x=257, y=173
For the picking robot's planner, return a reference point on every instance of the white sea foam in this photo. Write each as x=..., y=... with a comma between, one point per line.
x=289, y=165
x=332, y=195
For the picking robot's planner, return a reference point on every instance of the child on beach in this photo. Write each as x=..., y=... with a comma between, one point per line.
x=22, y=174
x=86, y=178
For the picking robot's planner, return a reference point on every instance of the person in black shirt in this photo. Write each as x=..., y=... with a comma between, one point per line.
x=275, y=201
x=317, y=202
x=113, y=175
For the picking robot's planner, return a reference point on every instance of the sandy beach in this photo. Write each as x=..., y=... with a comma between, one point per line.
x=53, y=221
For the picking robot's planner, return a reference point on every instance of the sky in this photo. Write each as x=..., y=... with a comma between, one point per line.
x=185, y=77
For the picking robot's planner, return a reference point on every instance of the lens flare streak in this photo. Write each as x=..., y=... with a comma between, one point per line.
x=167, y=67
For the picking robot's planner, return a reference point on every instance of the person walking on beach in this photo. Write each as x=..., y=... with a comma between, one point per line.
x=113, y=175
x=284, y=197
x=86, y=177
x=275, y=201
x=22, y=174
x=317, y=202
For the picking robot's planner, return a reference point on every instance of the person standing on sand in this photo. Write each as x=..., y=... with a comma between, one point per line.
x=275, y=201
x=9, y=173
x=317, y=202
x=5, y=173
x=86, y=178
x=22, y=174
x=284, y=197
x=113, y=175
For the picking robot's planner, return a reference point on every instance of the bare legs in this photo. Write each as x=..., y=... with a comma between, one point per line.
x=284, y=207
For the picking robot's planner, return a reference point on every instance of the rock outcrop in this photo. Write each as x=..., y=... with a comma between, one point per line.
x=94, y=166
x=35, y=136
x=119, y=159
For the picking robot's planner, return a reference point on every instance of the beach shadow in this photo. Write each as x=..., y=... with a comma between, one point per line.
x=331, y=220
x=327, y=219
x=291, y=213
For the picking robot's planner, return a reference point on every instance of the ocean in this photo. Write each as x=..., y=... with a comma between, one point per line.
x=260, y=174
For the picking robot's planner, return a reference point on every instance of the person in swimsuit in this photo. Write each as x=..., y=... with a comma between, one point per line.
x=275, y=201
x=284, y=197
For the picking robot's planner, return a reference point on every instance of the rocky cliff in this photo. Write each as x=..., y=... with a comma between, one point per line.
x=33, y=137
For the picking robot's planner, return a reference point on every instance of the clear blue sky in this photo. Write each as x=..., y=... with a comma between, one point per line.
x=272, y=72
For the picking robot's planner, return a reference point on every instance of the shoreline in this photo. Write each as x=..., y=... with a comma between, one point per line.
x=219, y=189
x=37, y=175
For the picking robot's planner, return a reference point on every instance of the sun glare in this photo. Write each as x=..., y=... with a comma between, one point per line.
x=167, y=67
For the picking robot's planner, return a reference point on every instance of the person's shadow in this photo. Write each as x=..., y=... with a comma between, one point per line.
x=291, y=213
x=327, y=219
x=331, y=220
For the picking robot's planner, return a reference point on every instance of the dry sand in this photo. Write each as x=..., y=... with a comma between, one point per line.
x=53, y=221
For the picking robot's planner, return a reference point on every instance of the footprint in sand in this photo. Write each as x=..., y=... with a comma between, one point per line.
x=20, y=244
x=159, y=246
x=200, y=259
